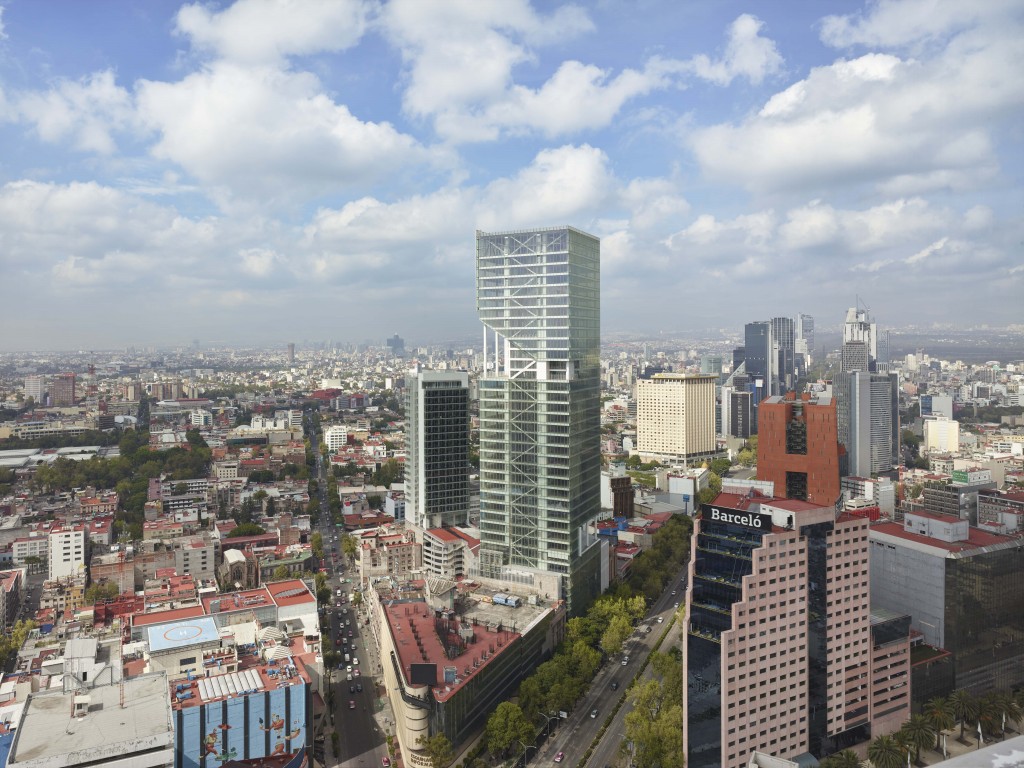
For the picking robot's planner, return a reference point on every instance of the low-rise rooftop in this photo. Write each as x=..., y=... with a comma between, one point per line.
x=52, y=735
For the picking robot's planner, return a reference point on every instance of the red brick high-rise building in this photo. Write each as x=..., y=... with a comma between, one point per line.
x=62, y=390
x=798, y=447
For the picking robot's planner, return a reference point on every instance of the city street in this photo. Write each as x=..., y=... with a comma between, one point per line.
x=359, y=717
x=576, y=734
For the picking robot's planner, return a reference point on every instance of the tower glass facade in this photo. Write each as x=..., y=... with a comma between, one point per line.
x=437, y=470
x=538, y=295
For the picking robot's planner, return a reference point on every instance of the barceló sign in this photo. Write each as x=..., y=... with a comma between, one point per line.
x=738, y=517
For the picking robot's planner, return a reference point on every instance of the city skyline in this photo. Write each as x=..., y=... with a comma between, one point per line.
x=239, y=172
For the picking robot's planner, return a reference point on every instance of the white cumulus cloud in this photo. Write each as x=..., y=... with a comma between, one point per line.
x=267, y=31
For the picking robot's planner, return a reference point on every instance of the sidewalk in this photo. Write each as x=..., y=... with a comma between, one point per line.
x=956, y=748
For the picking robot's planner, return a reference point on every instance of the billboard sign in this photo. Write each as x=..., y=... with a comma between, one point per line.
x=752, y=520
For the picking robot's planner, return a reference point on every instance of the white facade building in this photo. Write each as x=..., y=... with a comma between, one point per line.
x=336, y=437
x=941, y=435
x=67, y=552
x=675, y=415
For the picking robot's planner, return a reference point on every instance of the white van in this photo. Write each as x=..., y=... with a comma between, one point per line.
x=347, y=659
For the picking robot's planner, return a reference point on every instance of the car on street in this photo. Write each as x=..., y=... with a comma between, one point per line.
x=625, y=660
x=676, y=605
x=351, y=704
x=350, y=633
x=593, y=714
x=661, y=619
x=559, y=757
x=385, y=761
x=615, y=685
x=359, y=687
x=673, y=593
x=351, y=689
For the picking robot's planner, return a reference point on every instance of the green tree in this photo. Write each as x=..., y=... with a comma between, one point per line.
x=616, y=633
x=1007, y=708
x=965, y=708
x=438, y=748
x=245, y=529
x=886, y=752
x=506, y=726
x=746, y=457
x=389, y=472
x=11, y=643
x=375, y=500
x=655, y=727
x=847, y=758
x=633, y=462
x=195, y=438
x=348, y=545
x=720, y=466
x=97, y=592
x=281, y=573
x=917, y=732
x=940, y=715
x=316, y=542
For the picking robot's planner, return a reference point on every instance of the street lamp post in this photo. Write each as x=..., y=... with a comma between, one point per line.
x=525, y=747
x=547, y=724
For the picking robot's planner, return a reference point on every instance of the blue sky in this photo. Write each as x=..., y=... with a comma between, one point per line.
x=265, y=170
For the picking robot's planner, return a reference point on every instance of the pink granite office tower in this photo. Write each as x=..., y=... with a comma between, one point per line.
x=778, y=653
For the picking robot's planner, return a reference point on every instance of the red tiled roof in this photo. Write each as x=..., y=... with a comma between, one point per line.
x=278, y=587
x=443, y=534
x=161, y=617
x=406, y=618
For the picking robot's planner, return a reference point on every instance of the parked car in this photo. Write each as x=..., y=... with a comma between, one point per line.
x=593, y=714
x=560, y=757
x=625, y=660
x=351, y=704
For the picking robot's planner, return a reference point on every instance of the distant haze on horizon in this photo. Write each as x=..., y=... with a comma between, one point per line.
x=237, y=171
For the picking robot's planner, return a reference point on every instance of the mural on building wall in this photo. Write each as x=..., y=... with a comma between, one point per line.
x=214, y=733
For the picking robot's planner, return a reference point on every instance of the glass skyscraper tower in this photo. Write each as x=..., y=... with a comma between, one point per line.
x=538, y=295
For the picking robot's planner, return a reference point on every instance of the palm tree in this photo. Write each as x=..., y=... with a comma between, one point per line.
x=965, y=708
x=990, y=714
x=939, y=712
x=847, y=758
x=1007, y=709
x=917, y=732
x=885, y=752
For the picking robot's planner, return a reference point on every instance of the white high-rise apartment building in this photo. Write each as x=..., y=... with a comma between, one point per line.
x=437, y=440
x=67, y=552
x=336, y=437
x=675, y=416
x=35, y=387
x=539, y=298
x=941, y=435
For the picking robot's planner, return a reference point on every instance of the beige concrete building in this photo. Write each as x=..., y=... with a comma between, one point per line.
x=675, y=416
x=941, y=435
